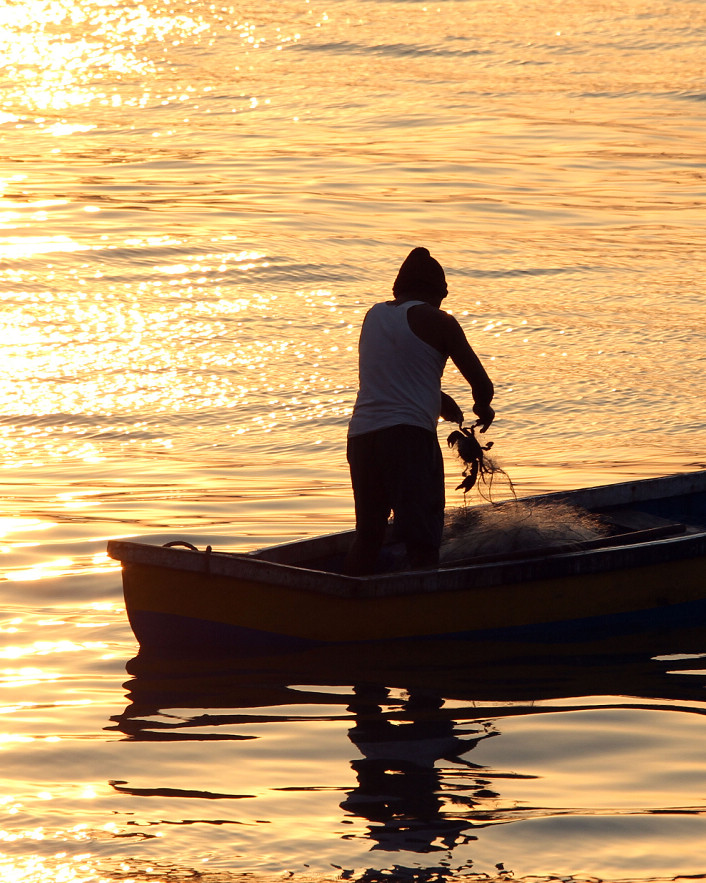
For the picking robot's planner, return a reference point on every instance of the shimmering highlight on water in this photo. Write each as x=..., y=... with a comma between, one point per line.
x=199, y=202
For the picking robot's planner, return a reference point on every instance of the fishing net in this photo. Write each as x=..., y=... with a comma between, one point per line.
x=509, y=527
x=515, y=526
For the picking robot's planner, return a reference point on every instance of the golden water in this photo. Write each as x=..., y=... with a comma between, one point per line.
x=199, y=203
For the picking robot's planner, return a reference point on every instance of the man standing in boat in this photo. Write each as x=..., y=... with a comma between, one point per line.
x=393, y=450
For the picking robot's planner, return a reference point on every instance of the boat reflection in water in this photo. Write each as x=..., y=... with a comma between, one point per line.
x=414, y=716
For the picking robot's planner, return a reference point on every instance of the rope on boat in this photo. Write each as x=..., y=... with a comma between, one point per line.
x=206, y=553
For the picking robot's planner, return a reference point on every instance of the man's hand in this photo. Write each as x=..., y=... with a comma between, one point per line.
x=450, y=410
x=485, y=415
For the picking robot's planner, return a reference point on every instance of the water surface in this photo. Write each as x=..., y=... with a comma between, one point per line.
x=200, y=201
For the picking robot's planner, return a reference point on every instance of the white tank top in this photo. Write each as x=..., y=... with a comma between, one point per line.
x=399, y=374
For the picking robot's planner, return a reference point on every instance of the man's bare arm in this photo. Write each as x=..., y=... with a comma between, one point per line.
x=470, y=366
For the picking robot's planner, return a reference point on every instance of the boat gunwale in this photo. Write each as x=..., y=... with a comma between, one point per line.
x=249, y=567
x=463, y=578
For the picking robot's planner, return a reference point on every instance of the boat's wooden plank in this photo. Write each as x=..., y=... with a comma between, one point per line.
x=302, y=550
x=241, y=567
x=636, y=519
x=628, y=493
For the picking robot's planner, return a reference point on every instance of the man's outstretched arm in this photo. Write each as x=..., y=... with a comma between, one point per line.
x=470, y=366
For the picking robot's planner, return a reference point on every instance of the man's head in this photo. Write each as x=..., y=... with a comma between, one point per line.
x=421, y=277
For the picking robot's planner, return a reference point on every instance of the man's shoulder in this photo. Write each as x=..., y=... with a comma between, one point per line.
x=380, y=305
x=429, y=313
x=431, y=325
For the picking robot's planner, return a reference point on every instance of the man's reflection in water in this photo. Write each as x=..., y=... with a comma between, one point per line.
x=399, y=786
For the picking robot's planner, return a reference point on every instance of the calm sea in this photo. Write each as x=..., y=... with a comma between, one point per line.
x=200, y=201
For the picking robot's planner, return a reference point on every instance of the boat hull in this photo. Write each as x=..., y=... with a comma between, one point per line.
x=177, y=612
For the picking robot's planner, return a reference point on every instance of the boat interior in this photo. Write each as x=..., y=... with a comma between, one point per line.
x=645, y=521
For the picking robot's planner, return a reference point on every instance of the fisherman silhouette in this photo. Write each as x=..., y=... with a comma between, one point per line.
x=399, y=785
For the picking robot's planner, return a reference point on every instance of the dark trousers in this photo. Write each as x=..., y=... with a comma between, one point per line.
x=400, y=470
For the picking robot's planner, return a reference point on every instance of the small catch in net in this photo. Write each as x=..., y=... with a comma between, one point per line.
x=476, y=465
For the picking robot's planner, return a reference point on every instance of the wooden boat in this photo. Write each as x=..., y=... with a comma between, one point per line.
x=651, y=570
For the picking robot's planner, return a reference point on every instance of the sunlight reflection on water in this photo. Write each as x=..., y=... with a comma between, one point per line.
x=199, y=203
